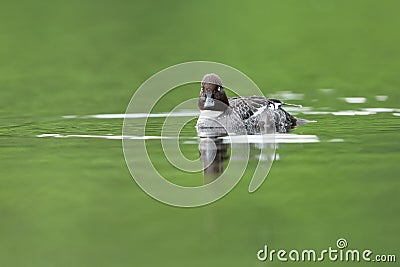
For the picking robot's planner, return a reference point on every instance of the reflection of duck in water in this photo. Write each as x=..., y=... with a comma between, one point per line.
x=213, y=153
x=239, y=115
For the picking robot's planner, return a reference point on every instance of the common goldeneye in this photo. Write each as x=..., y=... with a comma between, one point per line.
x=221, y=115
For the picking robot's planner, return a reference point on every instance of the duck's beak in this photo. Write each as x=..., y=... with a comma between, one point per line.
x=209, y=101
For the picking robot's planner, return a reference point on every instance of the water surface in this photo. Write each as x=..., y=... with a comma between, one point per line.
x=66, y=195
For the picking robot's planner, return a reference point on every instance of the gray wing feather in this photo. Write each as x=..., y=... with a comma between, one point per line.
x=245, y=107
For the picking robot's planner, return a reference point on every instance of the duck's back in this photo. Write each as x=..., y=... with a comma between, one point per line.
x=246, y=107
x=254, y=111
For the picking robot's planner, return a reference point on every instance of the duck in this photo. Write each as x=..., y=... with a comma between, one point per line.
x=249, y=115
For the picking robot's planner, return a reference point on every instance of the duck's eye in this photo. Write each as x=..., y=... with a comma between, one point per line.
x=219, y=89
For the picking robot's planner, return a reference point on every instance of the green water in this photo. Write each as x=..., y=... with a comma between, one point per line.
x=72, y=201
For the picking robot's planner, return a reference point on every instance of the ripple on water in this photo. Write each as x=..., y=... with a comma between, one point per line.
x=278, y=138
x=252, y=139
x=194, y=113
x=354, y=100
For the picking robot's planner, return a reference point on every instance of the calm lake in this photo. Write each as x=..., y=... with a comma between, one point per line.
x=69, y=69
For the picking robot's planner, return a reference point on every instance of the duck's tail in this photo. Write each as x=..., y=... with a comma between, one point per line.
x=291, y=105
x=300, y=121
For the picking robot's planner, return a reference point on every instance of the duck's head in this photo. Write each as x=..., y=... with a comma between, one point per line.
x=212, y=94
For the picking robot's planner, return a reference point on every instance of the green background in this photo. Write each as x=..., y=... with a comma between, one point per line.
x=72, y=202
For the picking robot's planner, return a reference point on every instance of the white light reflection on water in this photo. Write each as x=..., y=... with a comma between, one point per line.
x=193, y=113
x=381, y=98
x=183, y=113
x=252, y=139
x=354, y=100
